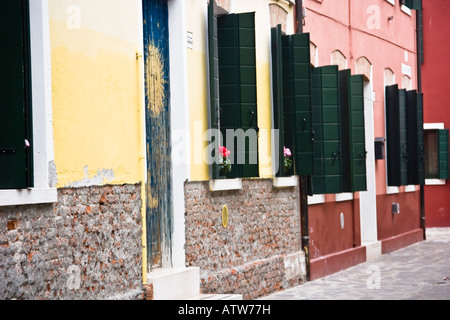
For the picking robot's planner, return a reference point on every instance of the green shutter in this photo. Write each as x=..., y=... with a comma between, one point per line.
x=297, y=101
x=238, y=102
x=213, y=80
x=352, y=132
x=415, y=138
x=277, y=93
x=413, y=4
x=397, y=150
x=326, y=124
x=443, y=154
x=15, y=93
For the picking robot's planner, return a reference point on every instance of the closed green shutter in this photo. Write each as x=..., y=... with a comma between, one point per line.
x=443, y=144
x=15, y=93
x=326, y=124
x=277, y=93
x=213, y=81
x=397, y=150
x=238, y=102
x=352, y=132
x=416, y=169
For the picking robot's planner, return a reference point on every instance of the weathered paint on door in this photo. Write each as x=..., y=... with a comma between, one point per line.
x=157, y=98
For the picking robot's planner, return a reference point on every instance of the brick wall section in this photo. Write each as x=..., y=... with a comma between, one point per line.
x=86, y=246
x=259, y=252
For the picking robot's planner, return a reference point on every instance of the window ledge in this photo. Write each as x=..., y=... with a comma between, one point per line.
x=285, y=182
x=392, y=190
x=344, y=196
x=316, y=199
x=225, y=184
x=435, y=182
x=28, y=196
x=410, y=188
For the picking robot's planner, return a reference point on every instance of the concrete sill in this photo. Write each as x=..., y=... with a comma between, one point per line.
x=285, y=182
x=435, y=182
x=225, y=184
x=28, y=196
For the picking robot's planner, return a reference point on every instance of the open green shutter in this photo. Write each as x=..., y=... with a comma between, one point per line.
x=326, y=123
x=303, y=152
x=297, y=101
x=213, y=80
x=397, y=149
x=277, y=93
x=443, y=144
x=352, y=132
x=15, y=93
x=238, y=102
x=416, y=175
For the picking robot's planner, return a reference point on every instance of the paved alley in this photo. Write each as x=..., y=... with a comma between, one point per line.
x=418, y=272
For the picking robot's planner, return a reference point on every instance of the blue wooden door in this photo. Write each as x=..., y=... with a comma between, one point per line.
x=157, y=99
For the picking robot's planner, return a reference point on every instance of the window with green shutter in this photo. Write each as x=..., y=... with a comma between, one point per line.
x=233, y=95
x=436, y=145
x=292, y=100
x=16, y=170
x=327, y=176
x=352, y=132
x=396, y=131
x=415, y=140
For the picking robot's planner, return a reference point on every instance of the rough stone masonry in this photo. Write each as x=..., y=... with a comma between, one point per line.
x=86, y=246
x=260, y=250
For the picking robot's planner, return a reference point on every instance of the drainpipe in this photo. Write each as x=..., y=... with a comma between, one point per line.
x=303, y=180
x=419, y=26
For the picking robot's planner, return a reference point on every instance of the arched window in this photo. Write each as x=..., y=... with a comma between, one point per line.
x=389, y=77
x=223, y=6
x=338, y=59
x=364, y=67
x=278, y=16
x=406, y=82
x=314, y=55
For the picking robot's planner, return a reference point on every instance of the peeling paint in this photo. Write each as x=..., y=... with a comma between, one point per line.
x=52, y=175
x=103, y=176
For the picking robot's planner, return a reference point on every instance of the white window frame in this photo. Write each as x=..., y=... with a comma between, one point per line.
x=434, y=126
x=44, y=190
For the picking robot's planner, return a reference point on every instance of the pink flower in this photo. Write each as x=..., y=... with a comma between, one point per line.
x=224, y=152
x=287, y=152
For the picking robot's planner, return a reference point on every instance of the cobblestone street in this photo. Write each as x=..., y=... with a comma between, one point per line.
x=418, y=272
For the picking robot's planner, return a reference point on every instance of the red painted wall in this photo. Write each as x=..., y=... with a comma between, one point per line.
x=348, y=26
x=436, y=86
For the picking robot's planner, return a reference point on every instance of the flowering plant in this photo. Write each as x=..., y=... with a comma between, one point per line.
x=287, y=159
x=224, y=161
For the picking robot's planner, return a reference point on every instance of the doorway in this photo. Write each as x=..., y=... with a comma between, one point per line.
x=158, y=134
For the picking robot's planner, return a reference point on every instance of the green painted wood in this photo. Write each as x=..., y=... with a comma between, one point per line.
x=416, y=169
x=214, y=95
x=16, y=165
x=298, y=124
x=237, y=90
x=277, y=93
x=397, y=150
x=326, y=124
x=443, y=144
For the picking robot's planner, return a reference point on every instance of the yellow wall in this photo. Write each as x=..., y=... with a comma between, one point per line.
x=198, y=82
x=96, y=90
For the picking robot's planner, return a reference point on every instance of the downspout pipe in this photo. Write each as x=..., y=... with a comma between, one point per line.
x=303, y=180
x=420, y=59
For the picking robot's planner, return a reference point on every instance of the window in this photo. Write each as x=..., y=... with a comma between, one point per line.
x=404, y=128
x=233, y=97
x=43, y=178
x=16, y=140
x=436, y=153
x=320, y=115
